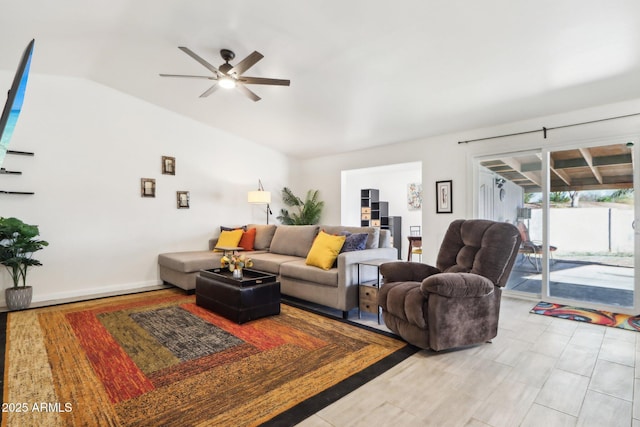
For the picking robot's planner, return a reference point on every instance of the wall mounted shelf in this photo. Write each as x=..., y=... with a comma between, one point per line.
x=16, y=192
x=20, y=153
x=3, y=171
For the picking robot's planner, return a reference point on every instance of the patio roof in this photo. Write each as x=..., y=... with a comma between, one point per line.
x=597, y=168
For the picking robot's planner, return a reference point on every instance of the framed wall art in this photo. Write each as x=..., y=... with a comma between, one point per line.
x=414, y=196
x=168, y=165
x=147, y=187
x=444, y=197
x=182, y=198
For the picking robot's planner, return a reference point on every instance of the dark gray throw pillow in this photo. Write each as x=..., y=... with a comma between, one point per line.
x=354, y=242
x=224, y=228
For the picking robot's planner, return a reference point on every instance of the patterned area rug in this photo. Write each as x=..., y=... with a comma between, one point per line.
x=158, y=359
x=599, y=317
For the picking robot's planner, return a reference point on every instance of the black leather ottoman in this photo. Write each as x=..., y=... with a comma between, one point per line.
x=256, y=296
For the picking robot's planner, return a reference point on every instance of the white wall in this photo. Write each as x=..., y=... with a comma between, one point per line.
x=490, y=205
x=92, y=145
x=391, y=181
x=606, y=226
x=447, y=161
x=444, y=158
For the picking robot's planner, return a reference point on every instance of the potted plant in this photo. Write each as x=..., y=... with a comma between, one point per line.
x=308, y=211
x=18, y=242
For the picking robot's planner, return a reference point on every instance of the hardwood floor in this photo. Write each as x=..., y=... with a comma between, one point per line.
x=539, y=371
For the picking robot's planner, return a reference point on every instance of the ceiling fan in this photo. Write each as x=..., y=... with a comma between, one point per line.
x=230, y=76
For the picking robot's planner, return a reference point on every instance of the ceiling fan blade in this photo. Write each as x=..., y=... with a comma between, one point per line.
x=248, y=93
x=199, y=59
x=185, y=75
x=263, y=81
x=210, y=90
x=246, y=63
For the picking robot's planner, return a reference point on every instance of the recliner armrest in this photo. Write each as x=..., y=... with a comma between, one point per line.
x=400, y=271
x=457, y=285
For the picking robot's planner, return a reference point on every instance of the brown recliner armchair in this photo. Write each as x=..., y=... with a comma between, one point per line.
x=456, y=303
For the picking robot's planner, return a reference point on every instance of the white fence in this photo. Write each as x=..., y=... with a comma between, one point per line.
x=586, y=229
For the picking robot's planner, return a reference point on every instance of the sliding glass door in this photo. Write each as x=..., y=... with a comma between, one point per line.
x=591, y=217
x=510, y=190
x=575, y=209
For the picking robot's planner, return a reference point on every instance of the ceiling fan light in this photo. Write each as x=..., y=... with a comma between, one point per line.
x=227, y=82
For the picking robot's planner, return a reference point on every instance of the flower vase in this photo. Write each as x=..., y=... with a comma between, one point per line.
x=237, y=273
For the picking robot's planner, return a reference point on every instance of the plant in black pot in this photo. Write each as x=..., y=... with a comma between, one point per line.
x=308, y=210
x=18, y=242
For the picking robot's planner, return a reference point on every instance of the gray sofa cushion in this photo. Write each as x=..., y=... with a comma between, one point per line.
x=188, y=262
x=385, y=239
x=299, y=270
x=270, y=262
x=264, y=234
x=293, y=240
x=373, y=232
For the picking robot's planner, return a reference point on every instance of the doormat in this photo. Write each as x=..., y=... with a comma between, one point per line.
x=159, y=359
x=597, y=317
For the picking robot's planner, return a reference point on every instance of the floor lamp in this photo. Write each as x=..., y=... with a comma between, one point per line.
x=260, y=197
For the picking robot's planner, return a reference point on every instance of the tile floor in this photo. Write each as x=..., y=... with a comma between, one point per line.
x=539, y=371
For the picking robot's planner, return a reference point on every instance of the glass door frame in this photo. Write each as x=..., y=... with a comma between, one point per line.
x=545, y=154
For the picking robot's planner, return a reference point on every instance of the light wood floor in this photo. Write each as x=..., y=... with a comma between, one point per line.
x=539, y=371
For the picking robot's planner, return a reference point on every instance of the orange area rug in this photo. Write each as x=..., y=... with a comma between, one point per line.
x=158, y=359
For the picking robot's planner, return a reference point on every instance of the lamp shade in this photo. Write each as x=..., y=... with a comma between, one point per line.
x=259, y=197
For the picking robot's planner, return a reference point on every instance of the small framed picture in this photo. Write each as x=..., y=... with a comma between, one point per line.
x=444, y=197
x=182, y=198
x=414, y=196
x=147, y=187
x=168, y=165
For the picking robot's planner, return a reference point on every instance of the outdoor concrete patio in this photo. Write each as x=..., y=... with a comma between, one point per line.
x=577, y=280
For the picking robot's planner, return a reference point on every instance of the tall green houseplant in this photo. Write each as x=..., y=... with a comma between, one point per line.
x=18, y=242
x=307, y=212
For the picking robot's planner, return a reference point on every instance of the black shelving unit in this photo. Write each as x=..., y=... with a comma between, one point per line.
x=375, y=213
x=394, y=225
x=379, y=210
x=368, y=197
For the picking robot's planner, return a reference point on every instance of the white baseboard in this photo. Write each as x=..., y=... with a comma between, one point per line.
x=93, y=293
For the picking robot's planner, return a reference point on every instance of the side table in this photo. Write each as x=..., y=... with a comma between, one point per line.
x=368, y=290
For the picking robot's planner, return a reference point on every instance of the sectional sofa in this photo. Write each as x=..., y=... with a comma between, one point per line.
x=283, y=250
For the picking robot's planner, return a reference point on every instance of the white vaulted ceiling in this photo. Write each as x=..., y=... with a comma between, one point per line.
x=363, y=73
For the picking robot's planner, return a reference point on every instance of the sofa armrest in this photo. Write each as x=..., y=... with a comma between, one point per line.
x=457, y=285
x=348, y=268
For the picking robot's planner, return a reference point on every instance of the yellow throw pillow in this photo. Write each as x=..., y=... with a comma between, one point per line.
x=229, y=238
x=325, y=250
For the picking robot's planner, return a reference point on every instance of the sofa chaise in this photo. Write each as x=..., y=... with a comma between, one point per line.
x=282, y=250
